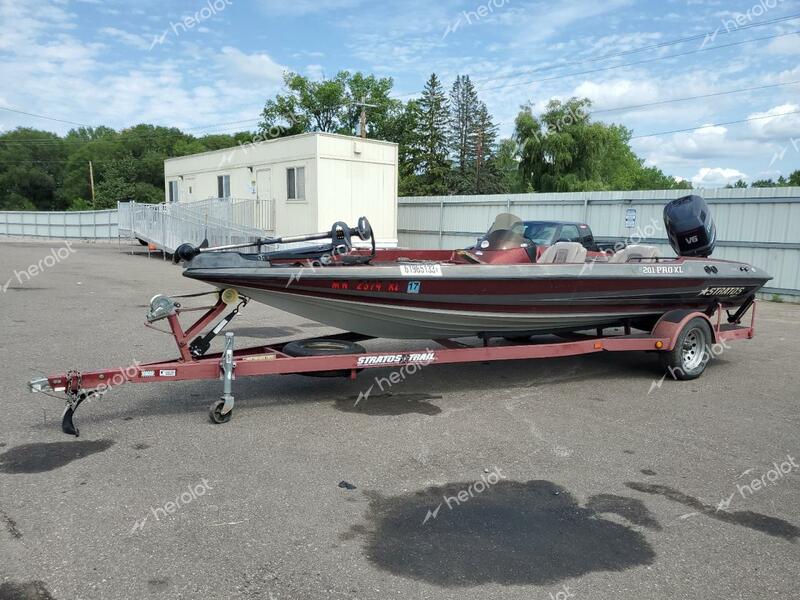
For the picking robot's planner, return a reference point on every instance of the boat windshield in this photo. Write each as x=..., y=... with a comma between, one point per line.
x=506, y=232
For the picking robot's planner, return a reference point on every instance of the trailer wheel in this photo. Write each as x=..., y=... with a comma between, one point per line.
x=692, y=351
x=215, y=414
x=323, y=347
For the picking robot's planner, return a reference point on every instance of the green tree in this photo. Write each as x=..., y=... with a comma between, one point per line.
x=562, y=150
x=31, y=169
x=403, y=127
x=506, y=162
x=487, y=174
x=374, y=91
x=464, y=105
x=431, y=131
x=307, y=106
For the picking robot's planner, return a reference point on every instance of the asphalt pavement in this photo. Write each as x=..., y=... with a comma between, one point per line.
x=569, y=479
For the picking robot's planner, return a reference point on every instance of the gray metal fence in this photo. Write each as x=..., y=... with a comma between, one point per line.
x=220, y=221
x=90, y=224
x=760, y=226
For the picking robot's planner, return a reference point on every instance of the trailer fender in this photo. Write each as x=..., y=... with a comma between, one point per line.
x=672, y=323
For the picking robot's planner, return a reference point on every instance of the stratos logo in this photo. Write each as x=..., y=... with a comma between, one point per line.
x=396, y=359
x=722, y=291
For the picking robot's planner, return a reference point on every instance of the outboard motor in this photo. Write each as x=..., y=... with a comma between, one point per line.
x=690, y=228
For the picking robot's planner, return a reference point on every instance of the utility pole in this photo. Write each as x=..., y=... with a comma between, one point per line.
x=363, y=121
x=479, y=149
x=91, y=182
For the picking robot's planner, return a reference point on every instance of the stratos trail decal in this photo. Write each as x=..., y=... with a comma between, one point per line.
x=396, y=359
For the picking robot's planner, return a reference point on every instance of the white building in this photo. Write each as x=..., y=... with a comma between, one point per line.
x=300, y=183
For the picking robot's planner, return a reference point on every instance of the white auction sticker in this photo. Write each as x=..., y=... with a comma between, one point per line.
x=422, y=270
x=166, y=373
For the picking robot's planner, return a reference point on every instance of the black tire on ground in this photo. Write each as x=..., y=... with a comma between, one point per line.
x=692, y=351
x=215, y=413
x=323, y=347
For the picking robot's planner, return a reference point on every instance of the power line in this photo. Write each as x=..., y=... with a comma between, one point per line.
x=684, y=130
x=546, y=67
x=639, y=62
x=536, y=69
x=606, y=110
x=645, y=48
x=30, y=114
x=711, y=95
x=707, y=35
x=684, y=99
x=38, y=116
x=659, y=133
x=792, y=112
x=134, y=135
x=141, y=136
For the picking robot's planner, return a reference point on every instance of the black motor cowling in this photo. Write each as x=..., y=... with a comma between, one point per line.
x=690, y=228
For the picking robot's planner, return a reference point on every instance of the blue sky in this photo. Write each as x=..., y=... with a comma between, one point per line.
x=119, y=63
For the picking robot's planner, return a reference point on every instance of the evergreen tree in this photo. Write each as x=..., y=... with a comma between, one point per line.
x=432, y=137
x=487, y=176
x=463, y=113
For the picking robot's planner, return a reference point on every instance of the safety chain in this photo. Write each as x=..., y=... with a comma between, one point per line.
x=73, y=394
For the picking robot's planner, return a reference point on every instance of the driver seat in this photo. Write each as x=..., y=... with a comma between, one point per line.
x=564, y=252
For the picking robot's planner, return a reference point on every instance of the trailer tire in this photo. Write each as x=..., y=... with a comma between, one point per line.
x=323, y=347
x=692, y=351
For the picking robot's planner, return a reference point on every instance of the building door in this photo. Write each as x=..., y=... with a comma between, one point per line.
x=265, y=209
x=189, y=185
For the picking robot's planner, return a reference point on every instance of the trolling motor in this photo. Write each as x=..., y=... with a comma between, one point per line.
x=340, y=235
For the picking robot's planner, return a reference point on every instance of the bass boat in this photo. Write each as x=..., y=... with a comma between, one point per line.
x=502, y=286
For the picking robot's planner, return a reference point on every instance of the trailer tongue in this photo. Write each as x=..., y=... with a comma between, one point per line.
x=684, y=339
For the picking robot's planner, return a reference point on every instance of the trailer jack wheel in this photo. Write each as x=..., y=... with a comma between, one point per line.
x=216, y=413
x=222, y=410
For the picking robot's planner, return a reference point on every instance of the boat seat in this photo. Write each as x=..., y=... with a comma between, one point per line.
x=635, y=253
x=564, y=252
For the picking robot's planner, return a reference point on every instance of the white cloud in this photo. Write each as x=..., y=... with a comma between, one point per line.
x=785, y=45
x=131, y=39
x=315, y=71
x=258, y=67
x=617, y=93
x=716, y=177
x=775, y=123
x=304, y=7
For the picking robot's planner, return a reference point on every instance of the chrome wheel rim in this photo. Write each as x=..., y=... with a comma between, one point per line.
x=693, y=349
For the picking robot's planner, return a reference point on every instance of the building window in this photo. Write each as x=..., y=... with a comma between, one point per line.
x=296, y=183
x=173, y=191
x=223, y=186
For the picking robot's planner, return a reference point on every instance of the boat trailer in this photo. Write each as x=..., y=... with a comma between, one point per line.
x=678, y=336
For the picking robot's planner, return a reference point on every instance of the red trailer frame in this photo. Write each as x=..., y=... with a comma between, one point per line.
x=269, y=359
